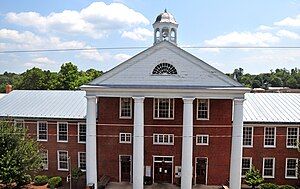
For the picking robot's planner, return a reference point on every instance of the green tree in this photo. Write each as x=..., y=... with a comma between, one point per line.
x=253, y=177
x=68, y=77
x=19, y=155
x=276, y=81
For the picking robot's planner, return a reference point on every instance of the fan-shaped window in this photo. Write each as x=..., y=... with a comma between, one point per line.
x=164, y=69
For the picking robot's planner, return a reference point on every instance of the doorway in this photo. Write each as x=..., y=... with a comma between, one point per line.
x=125, y=168
x=201, y=170
x=163, y=169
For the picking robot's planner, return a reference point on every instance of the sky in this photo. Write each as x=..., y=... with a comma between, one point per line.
x=63, y=24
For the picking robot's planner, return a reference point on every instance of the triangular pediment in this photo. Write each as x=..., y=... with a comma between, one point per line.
x=191, y=71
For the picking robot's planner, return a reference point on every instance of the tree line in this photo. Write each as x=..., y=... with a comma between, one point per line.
x=70, y=78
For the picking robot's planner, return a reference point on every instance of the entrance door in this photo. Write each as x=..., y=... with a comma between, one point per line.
x=201, y=164
x=125, y=165
x=163, y=167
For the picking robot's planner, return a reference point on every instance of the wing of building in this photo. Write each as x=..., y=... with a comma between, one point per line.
x=163, y=116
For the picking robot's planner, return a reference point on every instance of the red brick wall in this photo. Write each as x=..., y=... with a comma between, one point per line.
x=280, y=153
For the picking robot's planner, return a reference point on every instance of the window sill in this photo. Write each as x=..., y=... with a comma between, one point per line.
x=291, y=177
x=167, y=144
x=63, y=169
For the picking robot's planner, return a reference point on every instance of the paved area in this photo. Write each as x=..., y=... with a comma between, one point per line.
x=126, y=185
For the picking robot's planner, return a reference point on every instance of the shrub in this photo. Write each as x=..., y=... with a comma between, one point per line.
x=268, y=186
x=286, y=187
x=55, y=182
x=23, y=180
x=40, y=180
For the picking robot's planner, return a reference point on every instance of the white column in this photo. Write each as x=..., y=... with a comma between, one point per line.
x=91, y=149
x=138, y=143
x=237, y=145
x=187, y=144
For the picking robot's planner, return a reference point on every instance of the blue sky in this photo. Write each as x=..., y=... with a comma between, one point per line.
x=56, y=24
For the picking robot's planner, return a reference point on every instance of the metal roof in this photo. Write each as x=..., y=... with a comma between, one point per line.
x=2, y=95
x=272, y=108
x=44, y=104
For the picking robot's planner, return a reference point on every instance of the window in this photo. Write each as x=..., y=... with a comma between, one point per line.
x=268, y=167
x=202, y=139
x=203, y=109
x=81, y=132
x=42, y=131
x=164, y=69
x=165, y=139
x=45, y=159
x=270, y=137
x=62, y=132
x=292, y=137
x=291, y=168
x=125, y=107
x=247, y=136
x=125, y=138
x=163, y=108
x=19, y=123
x=246, y=165
x=62, y=159
x=82, y=160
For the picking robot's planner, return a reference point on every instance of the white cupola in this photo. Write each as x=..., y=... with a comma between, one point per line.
x=165, y=28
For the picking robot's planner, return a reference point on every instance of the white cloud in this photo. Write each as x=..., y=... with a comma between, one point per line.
x=243, y=38
x=121, y=57
x=288, y=34
x=289, y=21
x=94, y=21
x=138, y=34
x=264, y=28
x=91, y=55
x=40, y=62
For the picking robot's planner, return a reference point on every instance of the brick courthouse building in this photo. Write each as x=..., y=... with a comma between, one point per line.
x=163, y=114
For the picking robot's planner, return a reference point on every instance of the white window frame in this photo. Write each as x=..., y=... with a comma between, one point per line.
x=163, y=135
x=173, y=110
x=252, y=133
x=38, y=131
x=296, y=169
x=78, y=132
x=208, y=109
x=287, y=129
x=45, y=166
x=250, y=158
x=269, y=146
x=16, y=121
x=120, y=109
x=273, y=168
x=57, y=129
x=126, y=135
x=202, y=144
x=58, y=161
x=80, y=162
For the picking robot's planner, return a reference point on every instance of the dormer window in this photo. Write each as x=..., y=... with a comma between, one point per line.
x=164, y=69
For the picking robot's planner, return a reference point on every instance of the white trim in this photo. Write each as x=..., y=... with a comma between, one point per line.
x=163, y=143
x=195, y=181
x=125, y=142
x=78, y=132
x=208, y=109
x=269, y=146
x=164, y=118
x=19, y=121
x=252, y=133
x=57, y=132
x=297, y=162
x=294, y=147
x=273, y=168
x=202, y=144
x=153, y=161
x=120, y=109
x=58, y=166
x=120, y=171
x=244, y=176
x=78, y=161
x=38, y=131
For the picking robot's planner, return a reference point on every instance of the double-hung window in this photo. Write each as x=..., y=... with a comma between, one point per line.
x=202, y=109
x=42, y=131
x=248, y=136
x=246, y=165
x=163, y=108
x=62, y=159
x=19, y=123
x=163, y=139
x=62, y=132
x=291, y=168
x=125, y=138
x=202, y=139
x=82, y=160
x=125, y=108
x=81, y=132
x=292, y=137
x=44, y=155
x=268, y=167
x=270, y=137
